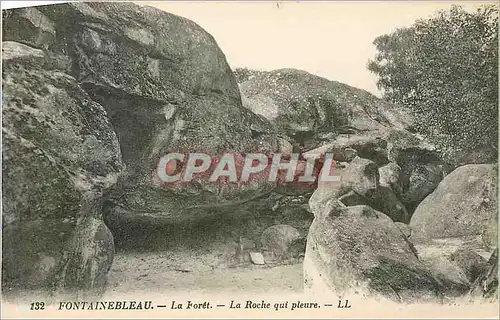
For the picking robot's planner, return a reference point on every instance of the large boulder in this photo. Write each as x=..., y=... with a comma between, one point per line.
x=60, y=155
x=94, y=95
x=306, y=107
x=166, y=86
x=359, y=185
x=360, y=251
x=464, y=205
x=455, y=227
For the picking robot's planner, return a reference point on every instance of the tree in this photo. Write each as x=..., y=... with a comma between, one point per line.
x=445, y=69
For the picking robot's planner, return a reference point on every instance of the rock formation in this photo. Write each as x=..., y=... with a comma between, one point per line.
x=94, y=94
x=60, y=156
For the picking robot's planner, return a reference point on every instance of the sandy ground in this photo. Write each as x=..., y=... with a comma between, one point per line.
x=184, y=271
x=205, y=257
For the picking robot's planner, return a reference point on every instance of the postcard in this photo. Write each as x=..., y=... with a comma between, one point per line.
x=242, y=159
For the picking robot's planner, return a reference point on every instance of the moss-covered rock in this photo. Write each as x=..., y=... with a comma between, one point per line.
x=305, y=107
x=464, y=204
x=163, y=84
x=360, y=251
x=59, y=154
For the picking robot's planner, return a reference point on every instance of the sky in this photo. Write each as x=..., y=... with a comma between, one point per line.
x=332, y=39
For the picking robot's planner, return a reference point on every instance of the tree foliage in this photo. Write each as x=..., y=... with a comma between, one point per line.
x=445, y=69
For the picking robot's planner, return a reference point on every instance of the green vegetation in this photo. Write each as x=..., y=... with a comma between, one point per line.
x=445, y=69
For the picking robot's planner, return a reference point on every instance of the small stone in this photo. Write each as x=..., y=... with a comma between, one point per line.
x=257, y=258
